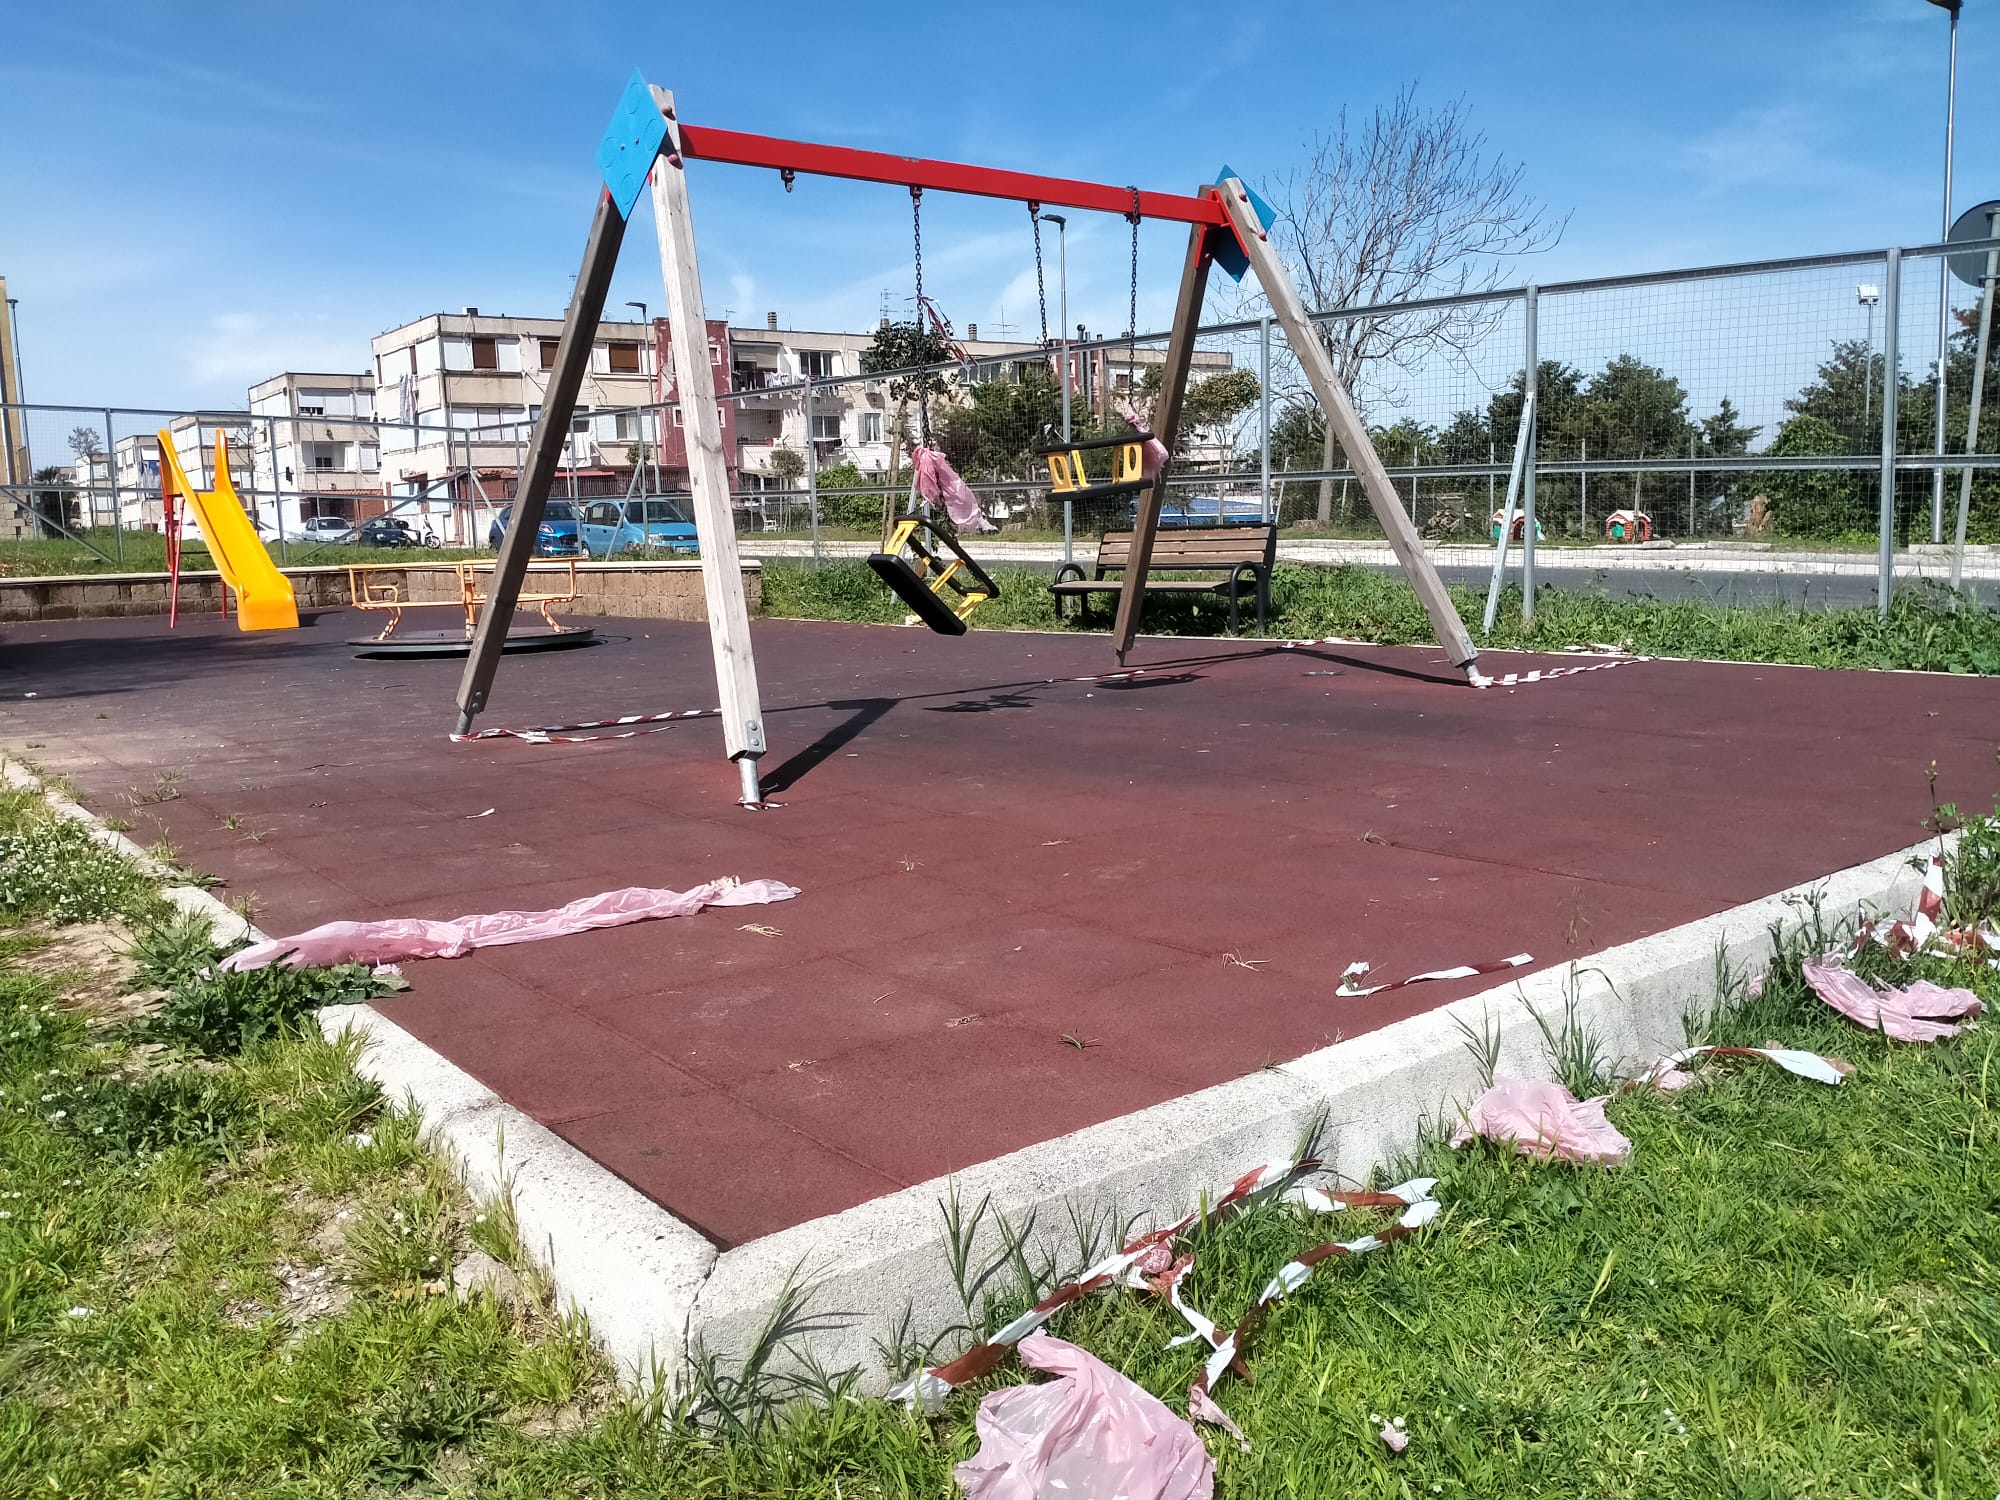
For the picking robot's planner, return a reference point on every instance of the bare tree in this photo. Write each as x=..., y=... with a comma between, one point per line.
x=1409, y=205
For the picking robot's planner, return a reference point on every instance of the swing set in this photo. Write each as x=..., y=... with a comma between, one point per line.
x=647, y=142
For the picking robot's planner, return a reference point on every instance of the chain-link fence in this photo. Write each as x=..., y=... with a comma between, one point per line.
x=1730, y=417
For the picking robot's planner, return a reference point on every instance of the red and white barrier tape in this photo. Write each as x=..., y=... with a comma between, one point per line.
x=1907, y=936
x=1548, y=674
x=568, y=734
x=1668, y=1074
x=1355, y=971
x=1228, y=1349
x=1151, y=1254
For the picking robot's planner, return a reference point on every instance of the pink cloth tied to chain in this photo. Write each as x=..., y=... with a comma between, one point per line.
x=1090, y=1432
x=416, y=937
x=1544, y=1120
x=1919, y=1012
x=1154, y=451
x=938, y=482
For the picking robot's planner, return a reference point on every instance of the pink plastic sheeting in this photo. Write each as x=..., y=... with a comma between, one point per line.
x=1912, y=1013
x=938, y=482
x=1153, y=453
x=1544, y=1120
x=1090, y=1432
x=415, y=937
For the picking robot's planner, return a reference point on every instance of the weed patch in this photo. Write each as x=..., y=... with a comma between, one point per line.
x=219, y=1012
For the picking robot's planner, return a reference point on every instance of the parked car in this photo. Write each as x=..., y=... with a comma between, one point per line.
x=386, y=531
x=329, y=529
x=662, y=521
x=1182, y=511
x=557, y=536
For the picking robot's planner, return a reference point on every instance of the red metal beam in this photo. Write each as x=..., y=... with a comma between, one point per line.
x=707, y=143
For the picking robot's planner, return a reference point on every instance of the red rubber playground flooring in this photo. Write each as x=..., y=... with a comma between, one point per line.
x=993, y=856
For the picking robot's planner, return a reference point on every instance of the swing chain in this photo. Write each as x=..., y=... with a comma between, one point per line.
x=1041, y=293
x=923, y=378
x=1132, y=306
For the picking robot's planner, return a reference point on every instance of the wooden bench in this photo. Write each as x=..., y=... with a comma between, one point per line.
x=1244, y=553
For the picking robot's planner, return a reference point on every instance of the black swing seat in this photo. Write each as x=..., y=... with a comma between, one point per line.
x=1068, y=477
x=911, y=563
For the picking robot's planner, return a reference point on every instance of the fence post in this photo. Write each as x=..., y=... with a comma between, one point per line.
x=111, y=473
x=812, y=473
x=1892, y=279
x=1263, y=414
x=277, y=480
x=1529, y=301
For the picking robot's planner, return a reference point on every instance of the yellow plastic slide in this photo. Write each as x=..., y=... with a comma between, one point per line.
x=264, y=598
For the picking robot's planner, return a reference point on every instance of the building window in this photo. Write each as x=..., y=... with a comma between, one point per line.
x=826, y=429
x=485, y=354
x=626, y=425
x=312, y=411
x=323, y=459
x=818, y=364
x=871, y=427
x=624, y=358
x=677, y=418
x=714, y=352
x=549, y=347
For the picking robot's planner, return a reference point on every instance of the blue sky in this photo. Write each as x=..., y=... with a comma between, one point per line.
x=200, y=195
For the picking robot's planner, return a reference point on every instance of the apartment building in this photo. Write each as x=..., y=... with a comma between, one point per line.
x=314, y=448
x=457, y=396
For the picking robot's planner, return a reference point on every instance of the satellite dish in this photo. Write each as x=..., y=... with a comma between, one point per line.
x=1974, y=224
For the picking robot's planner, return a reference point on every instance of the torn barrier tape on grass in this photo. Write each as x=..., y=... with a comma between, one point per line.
x=1227, y=1350
x=1905, y=937
x=1350, y=989
x=1149, y=1254
x=1669, y=1074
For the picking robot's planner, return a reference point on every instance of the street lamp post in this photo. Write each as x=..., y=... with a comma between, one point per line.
x=1868, y=296
x=1944, y=277
x=654, y=486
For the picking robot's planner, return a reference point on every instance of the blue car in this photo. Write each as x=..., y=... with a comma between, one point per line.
x=1182, y=511
x=658, y=522
x=557, y=536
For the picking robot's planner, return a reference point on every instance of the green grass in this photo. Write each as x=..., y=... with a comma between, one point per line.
x=146, y=552
x=1928, y=628
x=223, y=1260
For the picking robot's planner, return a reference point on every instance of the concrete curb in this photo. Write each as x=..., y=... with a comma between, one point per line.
x=656, y=1292
x=630, y=1267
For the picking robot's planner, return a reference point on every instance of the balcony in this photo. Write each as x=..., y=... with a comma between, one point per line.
x=752, y=384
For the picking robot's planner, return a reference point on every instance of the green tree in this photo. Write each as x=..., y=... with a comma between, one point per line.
x=848, y=512
x=1219, y=399
x=789, y=465
x=1820, y=504
x=906, y=346
x=55, y=501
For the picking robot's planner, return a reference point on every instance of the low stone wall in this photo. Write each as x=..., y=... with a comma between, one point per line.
x=647, y=591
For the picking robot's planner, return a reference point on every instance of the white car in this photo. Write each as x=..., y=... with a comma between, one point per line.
x=329, y=529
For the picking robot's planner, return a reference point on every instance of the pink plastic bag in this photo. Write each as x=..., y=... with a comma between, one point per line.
x=938, y=482
x=1909, y=1014
x=1544, y=1120
x=1089, y=1434
x=415, y=937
